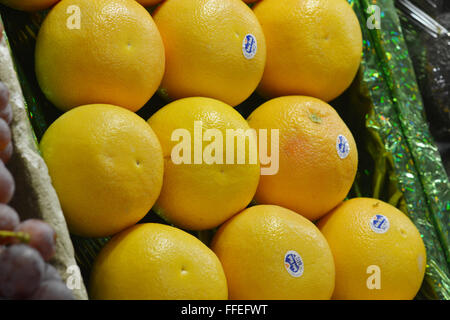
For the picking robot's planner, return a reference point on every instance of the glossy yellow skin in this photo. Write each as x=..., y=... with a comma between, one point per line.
x=399, y=253
x=106, y=165
x=202, y=196
x=203, y=41
x=314, y=47
x=312, y=178
x=157, y=262
x=252, y=247
x=115, y=57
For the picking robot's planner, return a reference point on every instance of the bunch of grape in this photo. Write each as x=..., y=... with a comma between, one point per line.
x=25, y=247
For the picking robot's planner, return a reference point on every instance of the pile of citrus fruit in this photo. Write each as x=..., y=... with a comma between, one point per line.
x=272, y=187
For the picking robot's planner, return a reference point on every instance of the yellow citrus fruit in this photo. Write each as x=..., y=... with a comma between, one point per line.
x=214, y=48
x=148, y=3
x=105, y=51
x=29, y=5
x=157, y=262
x=106, y=165
x=378, y=251
x=208, y=185
x=269, y=252
x=317, y=155
x=313, y=47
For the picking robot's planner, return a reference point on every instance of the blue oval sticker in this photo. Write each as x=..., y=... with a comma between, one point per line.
x=249, y=46
x=379, y=223
x=293, y=263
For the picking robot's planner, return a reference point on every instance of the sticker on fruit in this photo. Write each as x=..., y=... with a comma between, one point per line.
x=190, y=154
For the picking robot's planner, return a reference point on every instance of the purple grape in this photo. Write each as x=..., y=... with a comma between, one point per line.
x=5, y=134
x=42, y=236
x=52, y=290
x=7, y=185
x=4, y=95
x=50, y=274
x=52, y=287
x=9, y=219
x=6, y=154
x=7, y=114
x=21, y=271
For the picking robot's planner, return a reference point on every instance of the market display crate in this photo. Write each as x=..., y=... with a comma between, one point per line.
x=398, y=159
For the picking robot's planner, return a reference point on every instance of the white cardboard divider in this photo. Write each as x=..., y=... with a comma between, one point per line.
x=35, y=196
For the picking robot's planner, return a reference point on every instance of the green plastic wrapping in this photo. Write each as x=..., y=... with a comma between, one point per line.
x=398, y=160
x=429, y=49
x=422, y=180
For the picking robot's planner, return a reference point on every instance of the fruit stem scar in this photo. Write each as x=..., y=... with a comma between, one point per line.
x=315, y=118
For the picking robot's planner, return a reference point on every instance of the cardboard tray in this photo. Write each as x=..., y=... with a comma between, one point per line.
x=35, y=196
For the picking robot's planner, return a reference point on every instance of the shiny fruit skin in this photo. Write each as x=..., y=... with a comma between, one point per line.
x=399, y=253
x=157, y=262
x=203, y=40
x=200, y=196
x=312, y=177
x=253, y=246
x=314, y=47
x=106, y=165
x=105, y=60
